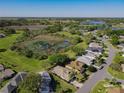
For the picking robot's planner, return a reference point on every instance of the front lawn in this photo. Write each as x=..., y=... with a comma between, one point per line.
x=116, y=74
x=99, y=88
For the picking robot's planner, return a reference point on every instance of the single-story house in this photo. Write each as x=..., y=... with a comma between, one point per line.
x=86, y=60
x=64, y=73
x=8, y=73
x=1, y=67
x=115, y=90
x=45, y=82
x=75, y=65
x=121, y=45
x=2, y=35
x=95, y=47
x=93, y=54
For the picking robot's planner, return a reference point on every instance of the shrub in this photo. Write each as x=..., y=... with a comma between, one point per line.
x=116, y=66
x=9, y=31
x=59, y=59
x=92, y=69
x=2, y=50
x=114, y=40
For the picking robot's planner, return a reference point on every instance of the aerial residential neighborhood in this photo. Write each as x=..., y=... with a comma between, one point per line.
x=61, y=46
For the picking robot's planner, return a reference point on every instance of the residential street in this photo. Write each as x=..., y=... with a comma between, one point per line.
x=99, y=75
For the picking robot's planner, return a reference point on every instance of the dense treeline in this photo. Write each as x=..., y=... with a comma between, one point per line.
x=114, y=35
x=7, y=31
x=51, y=21
x=117, y=32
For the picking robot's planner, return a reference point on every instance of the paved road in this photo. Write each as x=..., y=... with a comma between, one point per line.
x=99, y=75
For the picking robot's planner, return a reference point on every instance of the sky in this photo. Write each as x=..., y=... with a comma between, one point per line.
x=61, y=8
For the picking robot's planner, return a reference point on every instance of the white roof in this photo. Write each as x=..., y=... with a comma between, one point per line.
x=96, y=45
x=97, y=54
x=91, y=55
x=85, y=60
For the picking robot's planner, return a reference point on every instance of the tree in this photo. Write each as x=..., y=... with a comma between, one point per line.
x=28, y=53
x=81, y=78
x=114, y=40
x=88, y=38
x=78, y=51
x=59, y=59
x=8, y=31
x=116, y=66
x=92, y=69
x=114, y=82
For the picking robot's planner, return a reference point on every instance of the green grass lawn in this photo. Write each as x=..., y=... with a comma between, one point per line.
x=70, y=54
x=8, y=41
x=22, y=63
x=82, y=45
x=62, y=85
x=114, y=73
x=99, y=88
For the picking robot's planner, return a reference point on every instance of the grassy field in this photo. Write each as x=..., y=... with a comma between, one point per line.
x=82, y=44
x=22, y=63
x=19, y=62
x=71, y=54
x=8, y=41
x=99, y=88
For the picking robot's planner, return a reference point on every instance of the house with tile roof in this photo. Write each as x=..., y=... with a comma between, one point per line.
x=64, y=73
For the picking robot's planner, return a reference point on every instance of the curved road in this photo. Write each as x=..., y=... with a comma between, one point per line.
x=99, y=75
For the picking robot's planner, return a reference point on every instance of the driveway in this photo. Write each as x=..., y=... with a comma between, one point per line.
x=99, y=75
